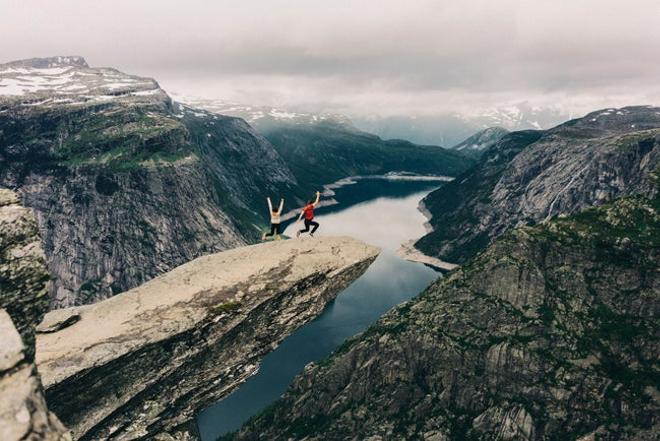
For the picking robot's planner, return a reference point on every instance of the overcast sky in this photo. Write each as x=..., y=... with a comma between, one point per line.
x=379, y=56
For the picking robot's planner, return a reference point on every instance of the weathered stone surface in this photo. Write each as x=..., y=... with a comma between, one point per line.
x=530, y=176
x=23, y=303
x=140, y=364
x=23, y=412
x=23, y=273
x=551, y=333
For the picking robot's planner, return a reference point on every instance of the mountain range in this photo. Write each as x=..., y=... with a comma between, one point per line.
x=443, y=129
x=451, y=128
x=323, y=148
x=547, y=329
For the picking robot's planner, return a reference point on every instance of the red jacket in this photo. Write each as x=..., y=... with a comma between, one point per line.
x=309, y=211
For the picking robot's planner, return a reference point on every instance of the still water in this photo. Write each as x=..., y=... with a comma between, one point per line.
x=381, y=212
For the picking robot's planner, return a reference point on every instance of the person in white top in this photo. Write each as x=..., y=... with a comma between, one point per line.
x=274, y=220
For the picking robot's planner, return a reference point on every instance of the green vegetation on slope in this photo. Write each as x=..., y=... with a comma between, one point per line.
x=325, y=152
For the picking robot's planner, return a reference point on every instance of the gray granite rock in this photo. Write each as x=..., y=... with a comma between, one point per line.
x=141, y=364
x=23, y=274
x=23, y=412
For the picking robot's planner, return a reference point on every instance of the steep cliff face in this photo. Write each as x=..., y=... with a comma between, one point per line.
x=141, y=364
x=126, y=185
x=23, y=302
x=23, y=275
x=530, y=176
x=551, y=333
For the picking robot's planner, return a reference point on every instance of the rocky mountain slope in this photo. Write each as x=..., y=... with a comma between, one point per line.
x=23, y=303
x=476, y=144
x=124, y=185
x=140, y=365
x=326, y=152
x=551, y=333
x=530, y=176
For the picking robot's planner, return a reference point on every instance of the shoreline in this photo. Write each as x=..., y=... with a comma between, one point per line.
x=408, y=252
x=329, y=189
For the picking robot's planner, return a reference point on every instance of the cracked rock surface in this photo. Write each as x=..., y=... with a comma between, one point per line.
x=142, y=363
x=23, y=302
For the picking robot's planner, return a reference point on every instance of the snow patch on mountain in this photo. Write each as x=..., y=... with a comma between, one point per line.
x=260, y=116
x=518, y=117
x=70, y=81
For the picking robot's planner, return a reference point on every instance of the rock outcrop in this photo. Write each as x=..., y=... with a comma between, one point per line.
x=23, y=274
x=24, y=415
x=139, y=365
x=530, y=176
x=551, y=333
x=23, y=302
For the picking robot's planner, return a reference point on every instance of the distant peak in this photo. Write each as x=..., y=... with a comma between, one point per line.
x=47, y=62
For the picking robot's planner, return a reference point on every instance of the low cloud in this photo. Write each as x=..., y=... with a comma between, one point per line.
x=387, y=57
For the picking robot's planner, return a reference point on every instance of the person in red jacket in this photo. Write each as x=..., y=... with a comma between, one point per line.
x=308, y=213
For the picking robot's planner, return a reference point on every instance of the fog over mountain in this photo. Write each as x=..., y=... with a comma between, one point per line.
x=362, y=58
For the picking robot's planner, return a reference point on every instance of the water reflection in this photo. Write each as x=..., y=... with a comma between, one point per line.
x=385, y=221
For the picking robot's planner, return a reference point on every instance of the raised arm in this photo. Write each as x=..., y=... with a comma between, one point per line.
x=318, y=197
x=270, y=205
x=279, y=210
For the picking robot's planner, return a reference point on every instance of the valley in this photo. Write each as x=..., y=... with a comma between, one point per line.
x=137, y=302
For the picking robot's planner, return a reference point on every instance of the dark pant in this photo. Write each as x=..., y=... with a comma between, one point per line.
x=274, y=228
x=310, y=223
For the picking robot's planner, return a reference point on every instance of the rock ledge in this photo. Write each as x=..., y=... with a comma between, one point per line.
x=142, y=363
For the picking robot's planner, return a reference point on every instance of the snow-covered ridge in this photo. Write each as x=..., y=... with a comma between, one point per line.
x=69, y=80
x=260, y=115
x=518, y=117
